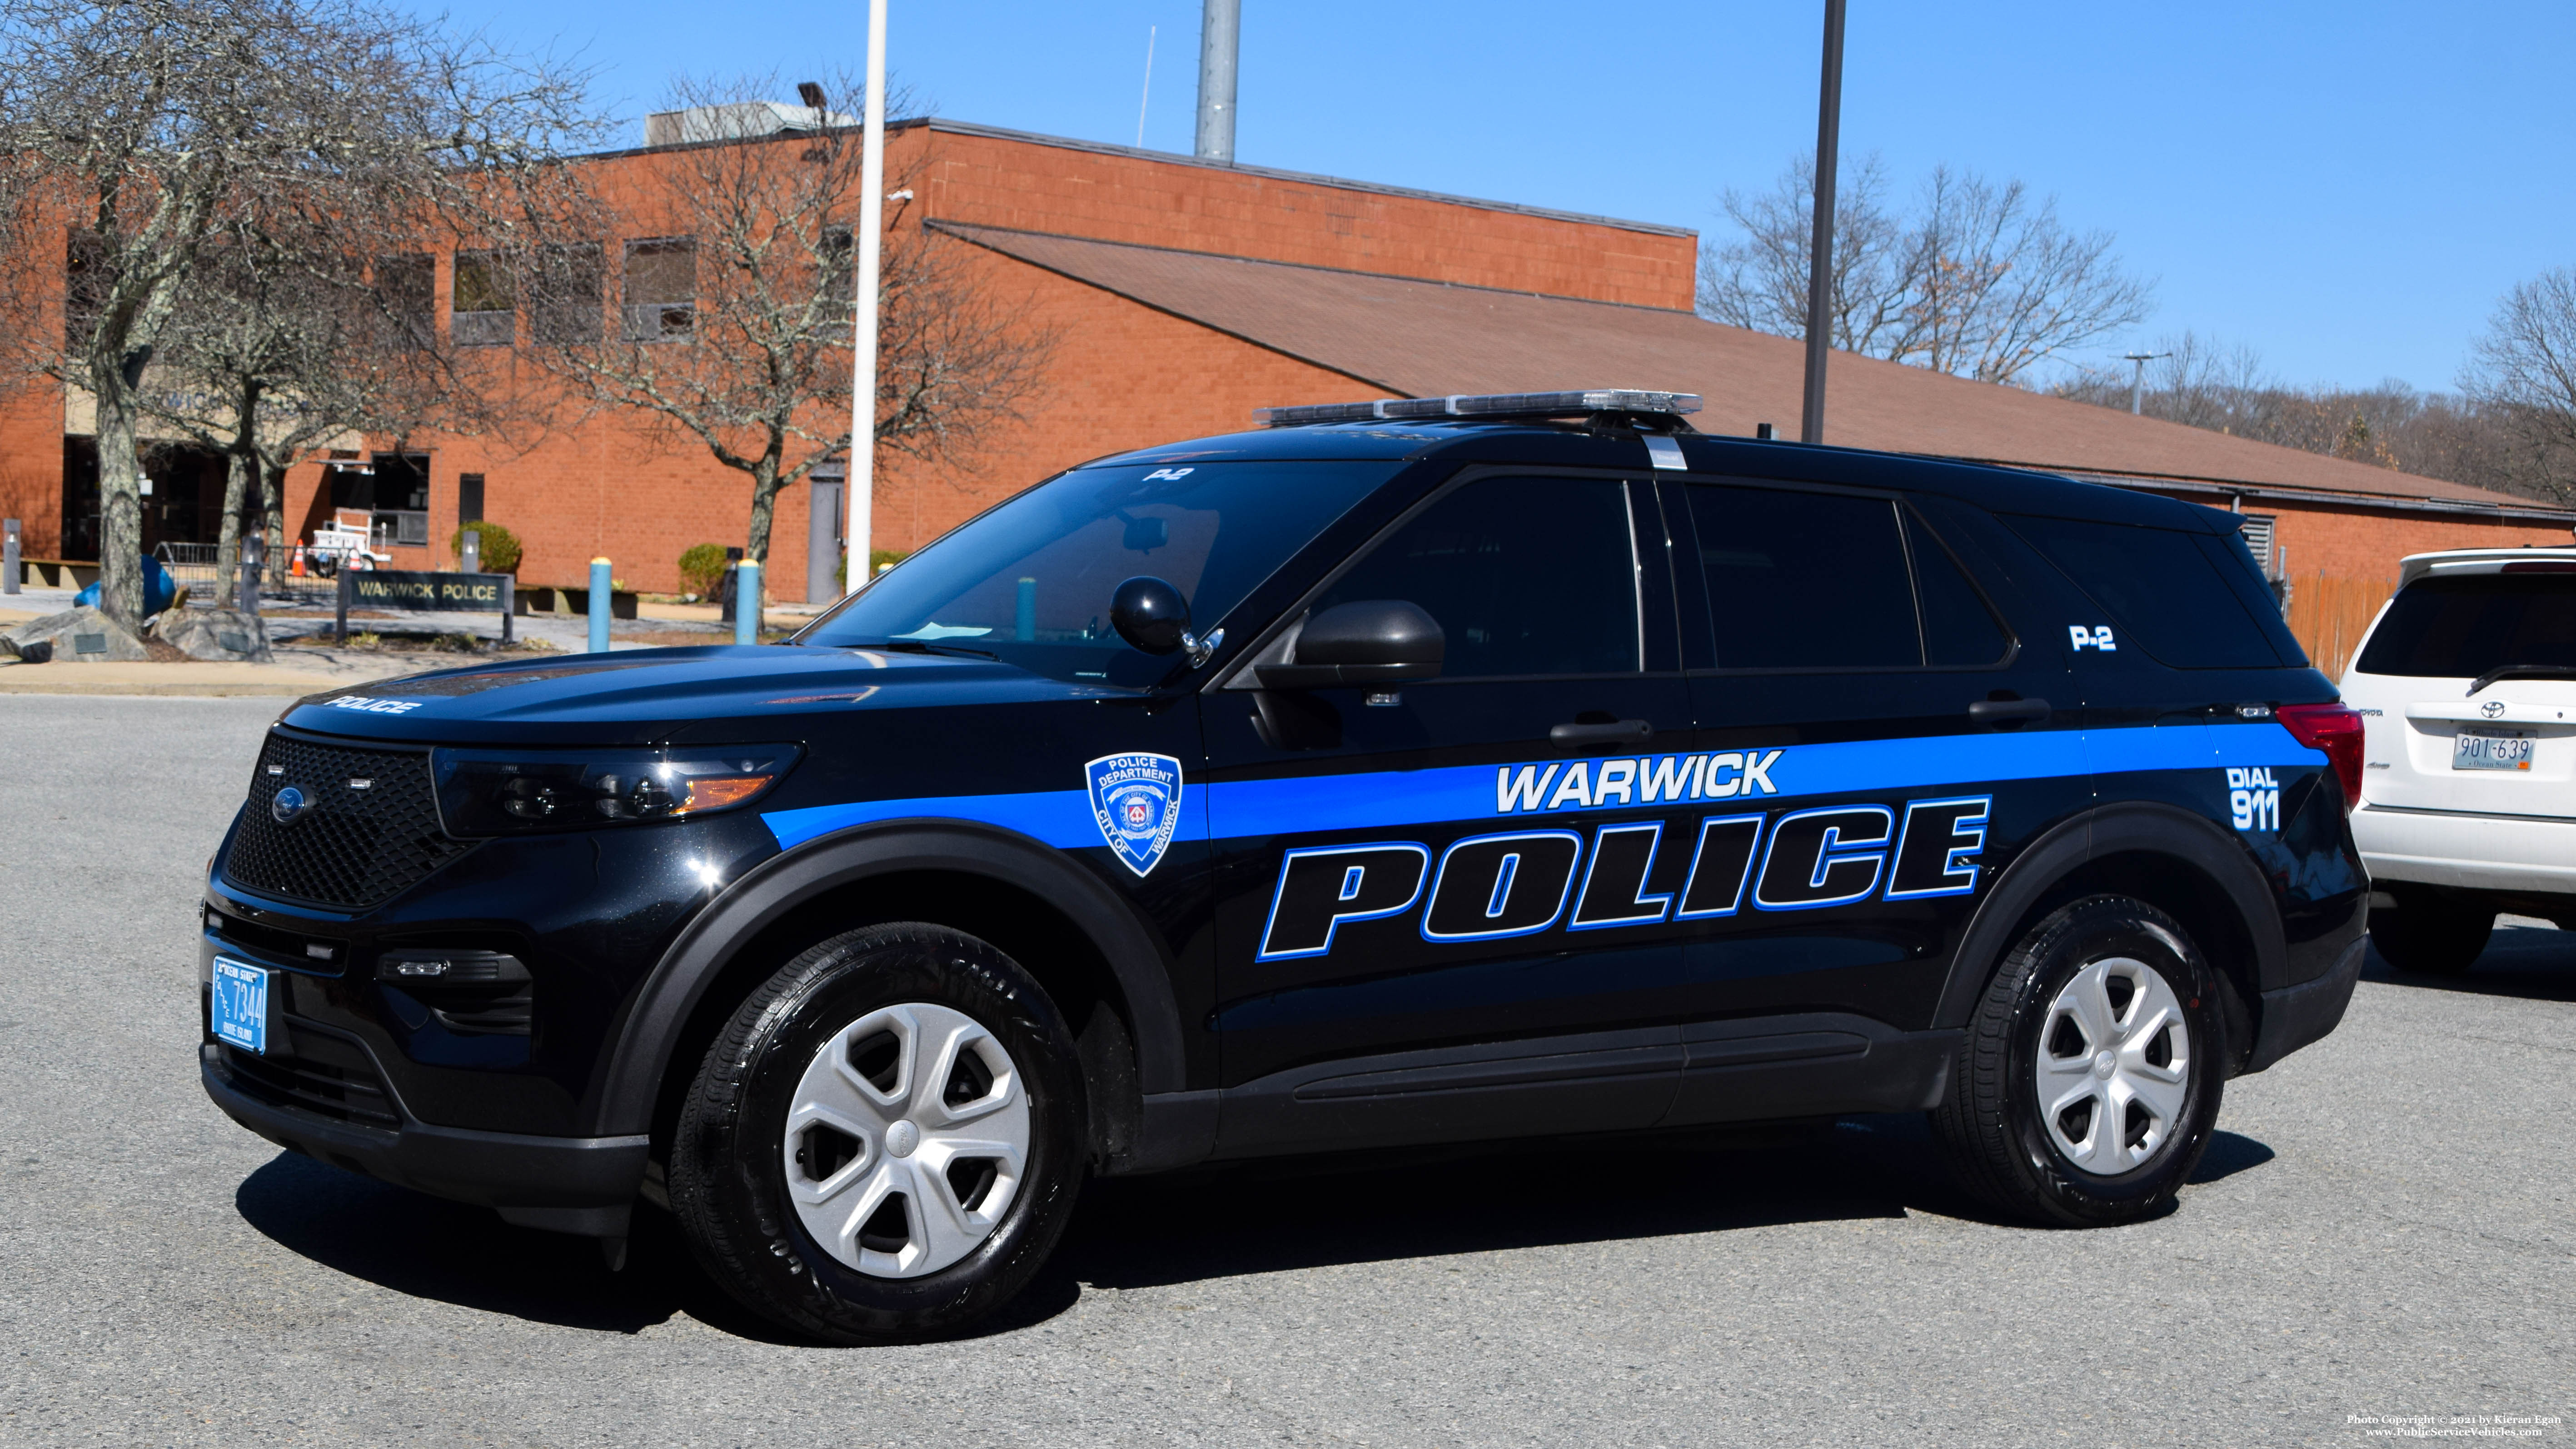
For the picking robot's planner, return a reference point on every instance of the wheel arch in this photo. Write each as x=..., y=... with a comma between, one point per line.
x=2170, y=858
x=991, y=883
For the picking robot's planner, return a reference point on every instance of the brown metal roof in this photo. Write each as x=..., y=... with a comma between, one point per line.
x=1420, y=339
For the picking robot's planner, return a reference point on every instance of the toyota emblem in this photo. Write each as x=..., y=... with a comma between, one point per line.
x=2492, y=708
x=288, y=805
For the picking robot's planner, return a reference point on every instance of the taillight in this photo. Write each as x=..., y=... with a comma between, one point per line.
x=2335, y=729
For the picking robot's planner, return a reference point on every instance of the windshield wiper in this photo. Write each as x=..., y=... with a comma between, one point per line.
x=2523, y=671
x=925, y=646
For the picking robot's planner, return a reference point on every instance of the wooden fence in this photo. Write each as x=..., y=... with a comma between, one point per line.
x=2329, y=615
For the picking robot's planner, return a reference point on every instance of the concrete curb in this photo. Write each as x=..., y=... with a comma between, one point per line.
x=209, y=689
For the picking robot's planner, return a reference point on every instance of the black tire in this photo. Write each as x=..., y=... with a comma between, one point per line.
x=2435, y=932
x=729, y=1173
x=1990, y=1123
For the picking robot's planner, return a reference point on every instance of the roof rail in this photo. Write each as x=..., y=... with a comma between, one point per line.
x=1487, y=405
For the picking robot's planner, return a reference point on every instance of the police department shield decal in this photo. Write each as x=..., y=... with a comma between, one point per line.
x=1136, y=799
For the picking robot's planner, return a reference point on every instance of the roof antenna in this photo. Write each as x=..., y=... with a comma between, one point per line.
x=1148, y=97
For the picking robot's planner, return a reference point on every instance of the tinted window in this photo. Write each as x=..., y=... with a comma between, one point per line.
x=1958, y=628
x=1029, y=581
x=2160, y=590
x=2461, y=626
x=1805, y=580
x=1525, y=575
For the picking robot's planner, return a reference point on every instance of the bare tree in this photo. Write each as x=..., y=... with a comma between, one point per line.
x=1759, y=281
x=1979, y=280
x=290, y=335
x=2226, y=389
x=143, y=130
x=2524, y=369
x=736, y=333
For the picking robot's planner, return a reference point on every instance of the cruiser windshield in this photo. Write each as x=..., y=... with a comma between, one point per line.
x=1029, y=582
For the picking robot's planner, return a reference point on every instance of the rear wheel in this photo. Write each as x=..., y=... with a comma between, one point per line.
x=886, y=1140
x=2437, y=932
x=2091, y=1078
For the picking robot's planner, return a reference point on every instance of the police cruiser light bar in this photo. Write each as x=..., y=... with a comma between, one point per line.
x=1499, y=404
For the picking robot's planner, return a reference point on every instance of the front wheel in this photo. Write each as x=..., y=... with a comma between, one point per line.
x=886, y=1140
x=2090, y=1080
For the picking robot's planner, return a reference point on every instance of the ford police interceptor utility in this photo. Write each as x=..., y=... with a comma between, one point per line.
x=1409, y=772
x=2466, y=684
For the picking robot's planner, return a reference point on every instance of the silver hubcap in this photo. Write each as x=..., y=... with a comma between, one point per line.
x=2114, y=1061
x=906, y=1140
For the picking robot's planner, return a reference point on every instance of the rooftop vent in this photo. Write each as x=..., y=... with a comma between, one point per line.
x=1488, y=405
x=738, y=121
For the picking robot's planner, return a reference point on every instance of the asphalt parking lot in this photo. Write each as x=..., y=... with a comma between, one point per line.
x=2383, y=1229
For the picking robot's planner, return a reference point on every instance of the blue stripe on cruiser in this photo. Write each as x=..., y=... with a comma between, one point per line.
x=1062, y=818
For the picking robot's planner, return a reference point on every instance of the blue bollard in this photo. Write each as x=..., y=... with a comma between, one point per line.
x=601, y=588
x=746, y=602
x=1024, y=619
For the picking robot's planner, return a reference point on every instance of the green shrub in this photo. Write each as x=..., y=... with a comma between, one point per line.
x=500, y=546
x=702, y=568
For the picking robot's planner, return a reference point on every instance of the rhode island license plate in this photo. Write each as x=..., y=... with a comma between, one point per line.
x=2490, y=752
x=241, y=1004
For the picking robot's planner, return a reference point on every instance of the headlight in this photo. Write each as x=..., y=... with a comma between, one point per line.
x=522, y=792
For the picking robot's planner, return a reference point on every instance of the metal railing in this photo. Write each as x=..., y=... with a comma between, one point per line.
x=192, y=567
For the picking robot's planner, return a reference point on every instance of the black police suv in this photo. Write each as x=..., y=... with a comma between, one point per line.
x=1407, y=772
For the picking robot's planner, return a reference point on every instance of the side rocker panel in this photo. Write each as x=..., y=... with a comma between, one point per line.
x=663, y=1005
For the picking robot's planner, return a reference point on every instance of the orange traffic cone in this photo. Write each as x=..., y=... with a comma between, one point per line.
x=296, y=568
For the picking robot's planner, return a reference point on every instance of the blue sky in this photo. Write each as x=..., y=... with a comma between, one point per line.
x=2347, y=188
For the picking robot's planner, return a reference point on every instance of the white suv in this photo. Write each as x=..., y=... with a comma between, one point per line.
x=2466, y=684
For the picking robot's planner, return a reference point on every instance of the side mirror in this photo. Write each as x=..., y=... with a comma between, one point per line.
x=1372, y=641
x=1151, y=615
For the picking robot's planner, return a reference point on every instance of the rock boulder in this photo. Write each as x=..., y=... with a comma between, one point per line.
x=214, y=634
x=81, y=636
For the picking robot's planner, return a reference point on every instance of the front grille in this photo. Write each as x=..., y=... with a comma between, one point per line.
x=355, y=845
x=343, y=1093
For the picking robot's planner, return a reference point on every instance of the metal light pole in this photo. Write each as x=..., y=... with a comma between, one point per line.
x=863, y=350
x=1820, y=254
x=1220, y=41
x=2138, y=379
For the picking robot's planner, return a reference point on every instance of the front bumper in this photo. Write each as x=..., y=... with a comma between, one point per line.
x=568, y=1184
x=2296, y=1016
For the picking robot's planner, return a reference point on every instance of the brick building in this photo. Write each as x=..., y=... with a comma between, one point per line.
x=1183, y=294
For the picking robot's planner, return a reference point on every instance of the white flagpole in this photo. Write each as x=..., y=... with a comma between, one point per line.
x=863, y=360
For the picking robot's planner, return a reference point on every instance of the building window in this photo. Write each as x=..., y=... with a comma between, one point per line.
x=571, y=287
x=840, y=283
x=407, y=290
x=2258, y=542
x=469, y=498
x=484, y=301
x=661, y=289
x=85, y=281
x=393, y=490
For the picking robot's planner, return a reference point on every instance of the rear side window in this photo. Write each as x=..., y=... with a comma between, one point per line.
x=2462, y=625
x=1829, y=581
x=2163, y=592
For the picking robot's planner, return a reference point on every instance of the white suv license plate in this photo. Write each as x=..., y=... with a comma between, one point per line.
x=2490, y=752
x=241, y=1004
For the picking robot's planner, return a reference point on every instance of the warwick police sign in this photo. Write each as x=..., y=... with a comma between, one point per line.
x=427, y=593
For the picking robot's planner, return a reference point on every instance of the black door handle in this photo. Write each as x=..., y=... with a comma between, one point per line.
x=2008, y=711
x=1614, y=732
